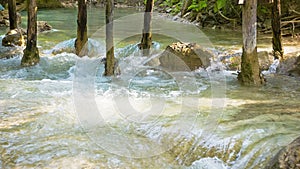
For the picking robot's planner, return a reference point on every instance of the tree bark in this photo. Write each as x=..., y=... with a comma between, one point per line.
x=12, y=12
x=250, y=74
x=81, y=40
x=146, y=42
x=110, y=58
x=276, y=22
x=31, y=52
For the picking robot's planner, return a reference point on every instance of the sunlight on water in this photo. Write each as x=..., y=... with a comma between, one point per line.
x=63, y=113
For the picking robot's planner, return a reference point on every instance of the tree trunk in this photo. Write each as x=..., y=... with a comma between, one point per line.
x=31, y=52
x=146, y=42
x=250, y=74
x=110, y=58
x=185, y=6
x=81, y=41
x=276, y=21
x=12, y=14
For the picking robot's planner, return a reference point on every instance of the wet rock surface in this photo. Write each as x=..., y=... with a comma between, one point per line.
x=295, y=70
x=184, y=57
x=288, y=157
x=232, y=61
x=14, y=38
x=291, y=65
x=43, y=26
x=4, y=18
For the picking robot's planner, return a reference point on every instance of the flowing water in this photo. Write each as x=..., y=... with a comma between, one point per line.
x=63, y=113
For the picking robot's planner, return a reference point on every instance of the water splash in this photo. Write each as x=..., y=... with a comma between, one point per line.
x=96, y=48
x=58, y=67
x=273, y=67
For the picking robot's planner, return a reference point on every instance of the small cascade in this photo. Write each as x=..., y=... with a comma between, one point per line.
x=96, y=48
x=273, y=67
x=147, y=117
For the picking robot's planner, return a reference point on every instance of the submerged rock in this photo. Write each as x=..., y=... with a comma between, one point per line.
x=10, y=52
x=290, y=65
x=184, y=57
x=43, y=26
x=288, y=157
x=295, y=71
x=14, y=38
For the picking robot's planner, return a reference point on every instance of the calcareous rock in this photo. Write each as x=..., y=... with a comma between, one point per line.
x=184, y=57
x=232, y=61
x=13, y=38
x=43, y=26
x=288, y=157
x=295, y=70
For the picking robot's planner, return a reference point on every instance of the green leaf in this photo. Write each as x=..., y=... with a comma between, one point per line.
x=219, y=5
x=198, y=6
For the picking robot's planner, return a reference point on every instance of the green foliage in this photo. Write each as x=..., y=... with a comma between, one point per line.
x=177, y=8
x=264, y=9
x=219, y=5
x=198, y=5
x=170, y=3
x=174, y=5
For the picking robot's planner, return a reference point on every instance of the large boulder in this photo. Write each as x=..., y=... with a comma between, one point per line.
x=287, y=158
x=290, y=65
x=184, y=57
x=13, y=38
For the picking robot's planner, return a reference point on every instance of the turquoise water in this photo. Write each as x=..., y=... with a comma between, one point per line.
x=63, y=113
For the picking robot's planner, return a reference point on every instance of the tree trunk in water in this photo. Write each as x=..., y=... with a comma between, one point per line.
x=276, y=20
x=110, y=58
x=146, y=42
x=31, y=52
x=185, y=6
x=81, y=41
x=12, y=14
x=250, y=74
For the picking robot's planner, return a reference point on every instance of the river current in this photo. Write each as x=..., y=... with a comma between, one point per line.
x=63, y=113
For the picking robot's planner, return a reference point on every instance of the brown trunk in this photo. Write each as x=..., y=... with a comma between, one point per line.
x=185, y=6
x=249, y=74
x=276, y=20
x=12, y=14
x=146, y=42
x=110, y=58
x=31, y=52
x=81, y=41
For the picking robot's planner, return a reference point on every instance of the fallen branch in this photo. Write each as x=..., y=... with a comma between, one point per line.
x=229, y=19
x=296, y=12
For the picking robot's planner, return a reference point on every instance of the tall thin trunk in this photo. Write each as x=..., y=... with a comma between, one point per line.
x=110, y=58
x=146, y=42
x=276, y=20
x=81, y=40
x=31, y=52
x=250, y=74
x=12, y=14
x=185, y=6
